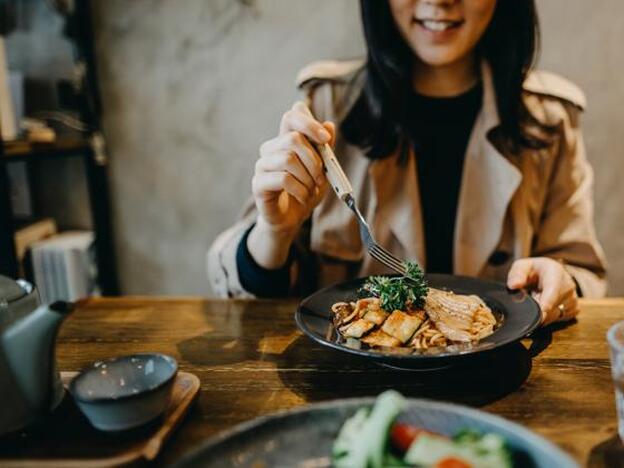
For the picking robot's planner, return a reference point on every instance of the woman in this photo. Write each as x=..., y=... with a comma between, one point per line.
x=461, y=158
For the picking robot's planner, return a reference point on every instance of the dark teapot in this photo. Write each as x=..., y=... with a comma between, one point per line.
x=30, y=384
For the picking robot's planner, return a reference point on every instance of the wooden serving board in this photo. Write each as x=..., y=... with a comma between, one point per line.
x=66, y=438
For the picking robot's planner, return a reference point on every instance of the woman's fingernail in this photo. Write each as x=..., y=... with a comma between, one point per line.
x=323, y=134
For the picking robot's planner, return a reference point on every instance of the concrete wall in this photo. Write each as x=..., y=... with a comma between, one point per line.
x=191, y=88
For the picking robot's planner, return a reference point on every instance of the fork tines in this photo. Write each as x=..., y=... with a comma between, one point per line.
x=387, y=258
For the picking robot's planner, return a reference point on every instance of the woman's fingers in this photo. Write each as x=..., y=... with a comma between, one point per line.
x=550, y=282
x=549, y=300
x=300, y=106
x=288, y=162
x=289, y=180
x=521, y=274
x=267, y=184
x=558, y=298
x=553, y=287
x=331, y=128
x=300, y=119
x=572, y=310
x=295, y=142
x=566, y=306
x=319, y=192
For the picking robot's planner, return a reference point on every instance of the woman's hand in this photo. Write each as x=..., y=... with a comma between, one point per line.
x=552, y=286
x=287, y=184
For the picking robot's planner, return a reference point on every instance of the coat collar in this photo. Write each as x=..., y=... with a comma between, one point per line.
x=489, y=182
x=397, y=196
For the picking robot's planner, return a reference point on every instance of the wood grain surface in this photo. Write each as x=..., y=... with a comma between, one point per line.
x=251, y=360
x=68, y=440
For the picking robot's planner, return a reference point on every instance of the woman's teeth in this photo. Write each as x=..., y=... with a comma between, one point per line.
x=435, y=25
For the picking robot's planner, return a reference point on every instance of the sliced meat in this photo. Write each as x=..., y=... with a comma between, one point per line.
x=401, y=325
x=454, y=314
x=378, y=338
x=356, y=329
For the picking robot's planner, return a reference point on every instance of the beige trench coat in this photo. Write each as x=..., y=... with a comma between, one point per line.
x=535, y=203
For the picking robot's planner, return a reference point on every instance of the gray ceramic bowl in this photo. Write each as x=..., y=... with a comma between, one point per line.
x=303, y=437
x=125, y=392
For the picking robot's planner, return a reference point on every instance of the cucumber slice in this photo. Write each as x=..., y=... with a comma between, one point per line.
x=362, y=440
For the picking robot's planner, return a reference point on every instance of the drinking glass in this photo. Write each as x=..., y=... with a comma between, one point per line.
x=615, y=336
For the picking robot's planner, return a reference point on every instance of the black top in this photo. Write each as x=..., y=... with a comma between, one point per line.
x=439, y=129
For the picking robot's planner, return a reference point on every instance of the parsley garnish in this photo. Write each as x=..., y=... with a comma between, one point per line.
x=397, y=292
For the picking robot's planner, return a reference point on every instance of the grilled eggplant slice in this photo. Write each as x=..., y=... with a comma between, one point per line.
x=356, y=329
x=377, y=316
x=401, y=325
x=364, y=306
x=378, y=338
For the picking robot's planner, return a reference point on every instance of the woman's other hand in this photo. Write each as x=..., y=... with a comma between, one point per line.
x=550, y=284
x=288, y=183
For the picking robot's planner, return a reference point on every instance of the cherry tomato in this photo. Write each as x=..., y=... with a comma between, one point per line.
x=452, y=462
x=402, y=435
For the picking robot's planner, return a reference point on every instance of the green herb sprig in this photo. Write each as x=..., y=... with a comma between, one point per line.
x=397, y=292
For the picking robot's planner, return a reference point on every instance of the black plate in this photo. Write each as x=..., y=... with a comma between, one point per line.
x=303, y=437
x=520, y=316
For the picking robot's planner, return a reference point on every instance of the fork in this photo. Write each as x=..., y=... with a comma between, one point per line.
x=341, y=185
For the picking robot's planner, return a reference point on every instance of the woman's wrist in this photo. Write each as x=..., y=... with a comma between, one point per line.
x=268, y=246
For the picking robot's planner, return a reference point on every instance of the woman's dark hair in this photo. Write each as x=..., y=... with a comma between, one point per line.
x=509, y=44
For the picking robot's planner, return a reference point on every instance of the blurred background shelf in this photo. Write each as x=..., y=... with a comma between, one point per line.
x=62, y=147
x=62, y=111
x=97, y=184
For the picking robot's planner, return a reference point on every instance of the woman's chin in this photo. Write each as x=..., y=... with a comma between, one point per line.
x=439, y=57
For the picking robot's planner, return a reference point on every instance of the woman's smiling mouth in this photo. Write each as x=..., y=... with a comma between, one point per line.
x=438, y=25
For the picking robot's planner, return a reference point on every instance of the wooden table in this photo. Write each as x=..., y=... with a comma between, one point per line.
x=252, y=360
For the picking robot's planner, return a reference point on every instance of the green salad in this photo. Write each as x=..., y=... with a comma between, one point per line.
x=397, y=292
x=372, y=438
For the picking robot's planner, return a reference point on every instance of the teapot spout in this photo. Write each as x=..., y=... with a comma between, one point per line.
x=29, y=350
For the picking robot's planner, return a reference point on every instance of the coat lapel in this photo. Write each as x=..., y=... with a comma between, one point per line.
x=489, y=182
x=398, y=210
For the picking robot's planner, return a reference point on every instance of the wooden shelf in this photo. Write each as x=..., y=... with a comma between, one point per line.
x=97, y=185
x=88, y=104
x=62, y=147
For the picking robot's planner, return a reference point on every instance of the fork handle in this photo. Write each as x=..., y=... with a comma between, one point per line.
x=337, y=178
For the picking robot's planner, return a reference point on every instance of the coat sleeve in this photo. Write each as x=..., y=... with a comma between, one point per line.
x=567, y=229
x=318, y=83
x=221, y=264
x=221, y=259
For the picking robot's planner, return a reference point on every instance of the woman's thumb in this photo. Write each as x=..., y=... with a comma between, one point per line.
x=520, y=273
x=331, y=128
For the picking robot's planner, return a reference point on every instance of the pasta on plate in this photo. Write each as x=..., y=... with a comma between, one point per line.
x=440, y=319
